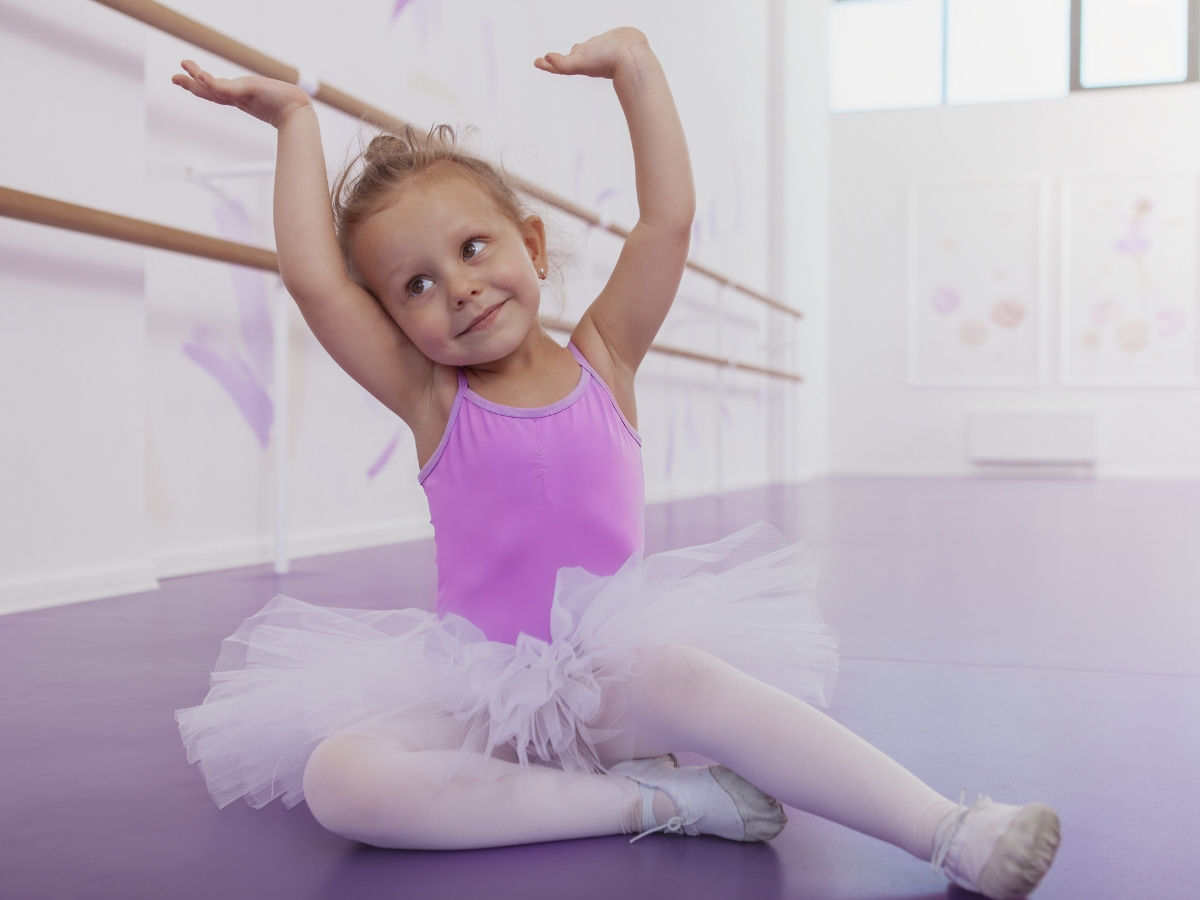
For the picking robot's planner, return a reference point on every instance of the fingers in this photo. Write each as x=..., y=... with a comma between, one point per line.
x=202, y=84
x=547, y=63
x=190, y=84
x=571, y=64
x=198, y=74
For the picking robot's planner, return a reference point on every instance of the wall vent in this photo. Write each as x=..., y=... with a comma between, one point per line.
x=1034, y=437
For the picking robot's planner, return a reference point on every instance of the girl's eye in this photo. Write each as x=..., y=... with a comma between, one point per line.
x=471, y=249
x=419, y=286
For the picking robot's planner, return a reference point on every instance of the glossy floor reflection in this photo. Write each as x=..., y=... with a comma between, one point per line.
x=1024, y=639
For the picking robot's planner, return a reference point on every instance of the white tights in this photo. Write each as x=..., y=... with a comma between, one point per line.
x=684, y=699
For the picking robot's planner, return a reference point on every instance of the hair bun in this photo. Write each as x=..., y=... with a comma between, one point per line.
x=384, y=146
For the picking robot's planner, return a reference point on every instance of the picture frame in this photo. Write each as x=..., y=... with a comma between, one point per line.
x=978, y=283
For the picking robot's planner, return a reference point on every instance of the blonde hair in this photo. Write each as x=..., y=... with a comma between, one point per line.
x=368, y=182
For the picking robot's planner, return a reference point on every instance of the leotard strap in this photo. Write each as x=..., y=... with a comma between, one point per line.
x=441, y=447
x=607, y=390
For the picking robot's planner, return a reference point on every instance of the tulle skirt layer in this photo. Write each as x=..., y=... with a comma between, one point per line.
x=294, y=674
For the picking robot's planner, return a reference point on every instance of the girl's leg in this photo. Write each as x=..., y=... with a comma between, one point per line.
x=685, y=699
x=363, y=788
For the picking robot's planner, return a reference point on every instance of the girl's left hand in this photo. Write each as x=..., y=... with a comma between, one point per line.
x=599, y=57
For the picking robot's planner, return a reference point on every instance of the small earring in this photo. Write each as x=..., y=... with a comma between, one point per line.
x=542, y=274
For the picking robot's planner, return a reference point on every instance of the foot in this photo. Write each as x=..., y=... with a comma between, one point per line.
x=997, y=850
x=708, y=800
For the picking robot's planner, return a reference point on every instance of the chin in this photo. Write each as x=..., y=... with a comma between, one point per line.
x=498, y=347
x=494, y=344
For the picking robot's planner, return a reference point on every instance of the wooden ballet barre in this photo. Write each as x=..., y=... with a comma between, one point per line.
x=567, y=327
x=72, y=217
x=178, y=25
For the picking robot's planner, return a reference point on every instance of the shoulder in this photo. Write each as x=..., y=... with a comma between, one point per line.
x=618, y=377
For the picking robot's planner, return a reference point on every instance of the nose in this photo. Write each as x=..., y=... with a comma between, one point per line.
x=463, y=289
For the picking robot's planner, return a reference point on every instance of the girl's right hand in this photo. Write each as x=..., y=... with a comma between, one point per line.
x=263, y=98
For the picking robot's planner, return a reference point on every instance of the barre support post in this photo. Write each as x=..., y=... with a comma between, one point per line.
x=281, y=426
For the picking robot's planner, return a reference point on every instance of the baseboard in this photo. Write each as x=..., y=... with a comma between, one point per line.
x=62, y=588
x=255, y=551
x=1150, y=473
x=965, y=470
x=1034, y=471
x=904, y=471
x=680, y=492
x=706, y=488
x=316, y=543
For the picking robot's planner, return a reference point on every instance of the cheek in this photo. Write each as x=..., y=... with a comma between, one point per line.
x=423, y=325
x=525, y=284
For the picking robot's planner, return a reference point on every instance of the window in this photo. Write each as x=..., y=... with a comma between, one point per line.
x=896, y=54
x=1125, y=42
x=885, y=54
x=1007, y=50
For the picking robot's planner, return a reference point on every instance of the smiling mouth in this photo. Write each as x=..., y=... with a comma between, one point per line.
x=483, y=321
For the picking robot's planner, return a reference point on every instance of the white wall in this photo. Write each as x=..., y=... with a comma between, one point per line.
x=72, y=320
x=136, y=387
x=805, y=235
x=880, y=424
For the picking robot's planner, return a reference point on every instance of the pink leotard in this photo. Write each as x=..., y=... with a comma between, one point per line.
x=516, y=494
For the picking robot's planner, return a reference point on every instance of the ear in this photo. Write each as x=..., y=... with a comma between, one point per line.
x=533, y=231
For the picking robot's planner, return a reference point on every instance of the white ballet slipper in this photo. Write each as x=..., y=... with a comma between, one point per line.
x=995, y=849
x=708, y=800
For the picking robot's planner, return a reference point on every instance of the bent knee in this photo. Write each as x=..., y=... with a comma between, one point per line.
x=330, y=779
x=346, y=788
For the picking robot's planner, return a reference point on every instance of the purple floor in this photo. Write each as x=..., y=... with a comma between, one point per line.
x=1023, y=639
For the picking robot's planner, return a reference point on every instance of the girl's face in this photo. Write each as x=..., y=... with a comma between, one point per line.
x=457, y=275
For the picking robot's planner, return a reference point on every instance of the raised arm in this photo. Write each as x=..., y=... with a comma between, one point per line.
x=624, y=318
x=350, y=324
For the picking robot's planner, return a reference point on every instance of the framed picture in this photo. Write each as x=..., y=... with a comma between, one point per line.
x=1129, y=313
x=977, y=284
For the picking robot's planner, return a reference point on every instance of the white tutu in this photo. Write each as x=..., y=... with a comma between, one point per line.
x=295, y=674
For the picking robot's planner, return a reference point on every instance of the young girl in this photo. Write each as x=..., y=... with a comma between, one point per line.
x=545, y=698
